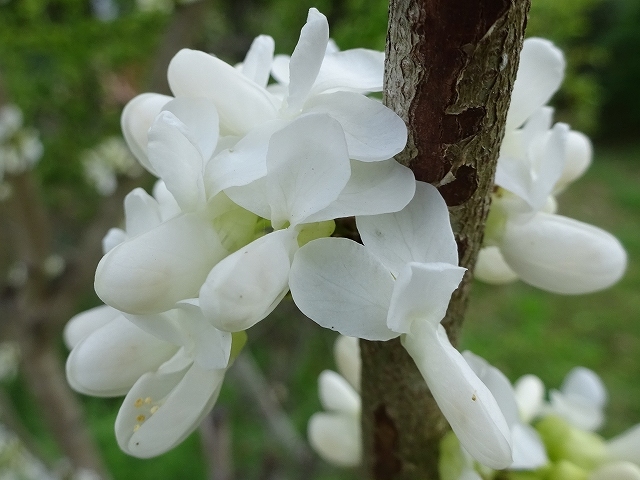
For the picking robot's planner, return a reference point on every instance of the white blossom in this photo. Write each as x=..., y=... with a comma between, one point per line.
x=525, y=238
x=529, y=452
x=169, y=365
x=106, y=161
x=335, y=433
x=20, y=147
x=399, y=284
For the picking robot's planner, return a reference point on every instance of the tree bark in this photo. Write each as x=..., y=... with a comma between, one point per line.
x=450, y=68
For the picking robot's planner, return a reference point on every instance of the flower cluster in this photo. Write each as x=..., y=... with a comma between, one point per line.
x=251, y=179
x=248, y=173
x=20, y=147
x=335, y=434
x=554, y=439
x=551, y=440
x=103, y=163
x=525, y=238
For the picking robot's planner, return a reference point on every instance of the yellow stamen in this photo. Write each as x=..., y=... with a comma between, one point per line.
x=138, y=403
x=136, y=427
x=140, y=418
x=154, y=409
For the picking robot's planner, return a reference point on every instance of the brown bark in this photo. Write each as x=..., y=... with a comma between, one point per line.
x=450, y=68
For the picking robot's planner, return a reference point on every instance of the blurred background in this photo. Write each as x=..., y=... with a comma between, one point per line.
x=71, y=65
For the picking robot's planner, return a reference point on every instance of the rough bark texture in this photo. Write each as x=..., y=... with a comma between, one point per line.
x=450, y=70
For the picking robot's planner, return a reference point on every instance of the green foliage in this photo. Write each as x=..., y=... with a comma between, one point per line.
x=621, y=38
x=63, y=68
x=570, y=25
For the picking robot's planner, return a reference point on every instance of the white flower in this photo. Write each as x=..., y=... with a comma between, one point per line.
x=108, y=159
x=529, y=452
x=580, y=400
x=335, y=434
x=169, y=365
x=307, y=181
x=172, y=245
x=318, y=84
x=400, y=283
x=524, y=238
x=626, y=446
x=20, y=147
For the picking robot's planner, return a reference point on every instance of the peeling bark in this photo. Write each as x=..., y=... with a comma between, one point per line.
x=450, y=68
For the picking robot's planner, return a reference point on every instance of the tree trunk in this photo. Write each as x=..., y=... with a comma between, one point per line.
x=450, y=68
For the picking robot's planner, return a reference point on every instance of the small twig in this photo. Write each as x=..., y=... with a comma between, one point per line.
x=215, y=434
x=252, y=381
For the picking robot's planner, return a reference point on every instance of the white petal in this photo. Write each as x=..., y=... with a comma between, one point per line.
x=252, y=197
x=84, y=323
x=563, y=255
x=346, y=351
x=579, y=152
x=246, y=286
x=469, y=474
x=514, y=168
x=113, y=238
x=540, y=74
x=137, y=117
x=308, y=166
x=422, y=293
x=257, y=63
x=241, y=103
x=183, y=399
x=420, y=232
x=280, y=69
x=200, y=117
x=531, y=170
x=186, y=326
x=339, y=285
x=491, y=267
x=111, y=359
x=356, y=70
x=529, y=391
x=336, y=394
x=373, y=131
x=372, y=189
x=306, y=58
x=550, y=164
x=175, y=155
x=470, y=409
x=142, y=212
x=617, y=471
x=336, y=438
x=575, y=410
x=153, y=271
x=498, y=384
x=243, y=163
x=584, y=383
x=626, y=446
x=529, y=452
x=169, y=208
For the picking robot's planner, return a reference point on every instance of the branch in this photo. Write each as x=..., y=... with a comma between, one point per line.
x=450, y=68
x=215, y=435
x=247, y=373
